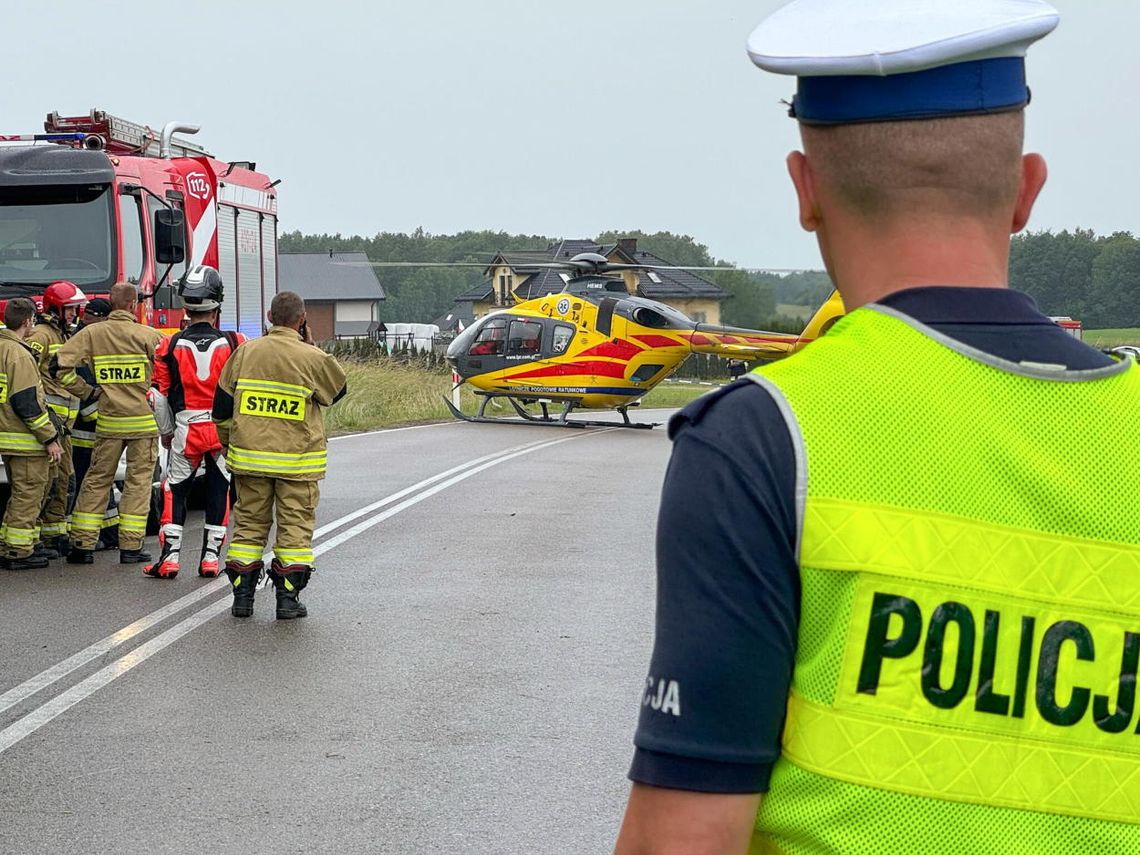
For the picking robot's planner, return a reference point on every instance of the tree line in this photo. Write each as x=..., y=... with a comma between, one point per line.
x=1093, y=278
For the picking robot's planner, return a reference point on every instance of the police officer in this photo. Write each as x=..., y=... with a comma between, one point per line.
x=29, y=440
x=911, y=622
x=62, y=302
x=120, y=353
x=187, y=368
x=268, y=413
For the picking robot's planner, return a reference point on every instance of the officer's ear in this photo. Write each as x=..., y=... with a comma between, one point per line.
x=804, y=181
x=269, y=317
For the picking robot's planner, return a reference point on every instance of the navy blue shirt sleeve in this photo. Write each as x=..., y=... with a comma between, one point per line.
x=727, y=598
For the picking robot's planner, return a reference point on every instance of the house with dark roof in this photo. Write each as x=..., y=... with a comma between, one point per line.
x=513, y=277
x=341, y=292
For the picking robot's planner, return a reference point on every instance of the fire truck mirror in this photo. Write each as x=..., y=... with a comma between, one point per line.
x=169, y=236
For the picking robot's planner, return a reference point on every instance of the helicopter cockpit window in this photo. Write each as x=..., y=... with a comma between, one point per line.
x=525, y=338
x=561, y=340
x=489, y=341
x=650, y=318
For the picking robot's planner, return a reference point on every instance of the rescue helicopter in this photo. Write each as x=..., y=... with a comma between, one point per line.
x=591, y=344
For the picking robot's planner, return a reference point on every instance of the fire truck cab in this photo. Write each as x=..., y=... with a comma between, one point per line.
x=108, y=200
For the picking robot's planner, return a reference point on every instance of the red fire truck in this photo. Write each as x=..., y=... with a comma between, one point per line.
x=107, y=200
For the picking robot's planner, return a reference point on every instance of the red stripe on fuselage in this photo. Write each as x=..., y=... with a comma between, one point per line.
x=590, y=367
x=617, y=349
x=659, y=341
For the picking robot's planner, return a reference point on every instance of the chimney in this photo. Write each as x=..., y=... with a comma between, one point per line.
x=628, y=246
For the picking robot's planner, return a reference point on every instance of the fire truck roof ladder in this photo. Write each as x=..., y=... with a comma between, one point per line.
x=120, y=136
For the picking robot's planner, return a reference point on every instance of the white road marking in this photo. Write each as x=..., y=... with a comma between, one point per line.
x=60, y=670
x=45, y=678
x=390, y=430
x=37, y=718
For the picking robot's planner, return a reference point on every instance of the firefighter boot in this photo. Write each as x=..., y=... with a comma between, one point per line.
x=61, y=543
x=213, y=536
x=288, y=583
x=28, y=562
x=43, y=550
x=244, y=578
x=167, y=565
x=78, y=555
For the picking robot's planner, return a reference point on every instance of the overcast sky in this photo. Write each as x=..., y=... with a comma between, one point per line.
x=559, y=119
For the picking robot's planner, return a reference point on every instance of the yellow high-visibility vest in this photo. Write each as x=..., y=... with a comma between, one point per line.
x=965, y=678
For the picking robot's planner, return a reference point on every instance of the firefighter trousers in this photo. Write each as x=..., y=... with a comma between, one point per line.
x=54, y=521
x=29, y=477
x=86, y=522
x=295, y=503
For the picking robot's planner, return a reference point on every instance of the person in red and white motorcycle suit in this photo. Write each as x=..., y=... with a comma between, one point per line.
x=187, y=367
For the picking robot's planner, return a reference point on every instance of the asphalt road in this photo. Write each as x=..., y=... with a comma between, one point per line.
x=467, y=680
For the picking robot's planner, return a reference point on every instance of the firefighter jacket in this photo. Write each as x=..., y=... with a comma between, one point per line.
x=187, y=366
x=63, y=400
x=25, y=426
x=120, y=353
x=268, y=406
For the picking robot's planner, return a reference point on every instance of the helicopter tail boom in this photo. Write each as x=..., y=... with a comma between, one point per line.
x=736, y=343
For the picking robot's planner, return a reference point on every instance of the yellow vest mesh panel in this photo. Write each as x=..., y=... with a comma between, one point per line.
x=970, y=621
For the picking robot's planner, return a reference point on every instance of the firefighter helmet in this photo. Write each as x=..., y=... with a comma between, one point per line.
x=201, y=289
x=61, y=294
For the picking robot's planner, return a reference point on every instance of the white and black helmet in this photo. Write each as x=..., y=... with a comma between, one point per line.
x=201, y=289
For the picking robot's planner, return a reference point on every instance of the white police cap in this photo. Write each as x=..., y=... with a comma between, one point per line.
x=890, y=60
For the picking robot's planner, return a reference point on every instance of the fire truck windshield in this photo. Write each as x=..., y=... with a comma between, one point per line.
x=56, y=232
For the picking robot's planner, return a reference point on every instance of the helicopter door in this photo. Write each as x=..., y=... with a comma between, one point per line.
x=524, y=341
x=559, y=341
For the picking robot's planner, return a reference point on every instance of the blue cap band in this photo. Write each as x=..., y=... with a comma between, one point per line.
x=964, y=88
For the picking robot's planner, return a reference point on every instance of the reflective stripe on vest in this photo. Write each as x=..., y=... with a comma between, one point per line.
x=13, y=441
x=64, y=406
x=127, y=424
x=970, y=615
x=275, y=462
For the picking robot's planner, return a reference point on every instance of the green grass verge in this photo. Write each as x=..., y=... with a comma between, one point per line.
x=389, y=395
x=382, y=395
x=669, y=395
x=1112, y=338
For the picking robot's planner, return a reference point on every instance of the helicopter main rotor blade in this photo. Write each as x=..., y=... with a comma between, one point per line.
x=565, y=265
x=411, y=264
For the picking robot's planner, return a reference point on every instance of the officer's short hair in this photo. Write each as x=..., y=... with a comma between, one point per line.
x=286, y=308
x=17, y=312
x=961, y=165
x=123, y=295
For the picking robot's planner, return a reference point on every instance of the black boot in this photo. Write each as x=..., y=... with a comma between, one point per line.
x=43, y=550
x=28, y=562
x=80, y=556
x=288, y=583
x=244, y=579
x=61, y=543
x=133, y=556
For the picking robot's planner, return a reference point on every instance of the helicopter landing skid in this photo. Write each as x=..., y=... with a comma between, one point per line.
x=562, y=419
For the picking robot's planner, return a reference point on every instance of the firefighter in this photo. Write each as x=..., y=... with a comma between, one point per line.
x=186, y=370
x=83, y=435
x=29, y=439
x=61, y=304
x=268, y=412
x=120, y=352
